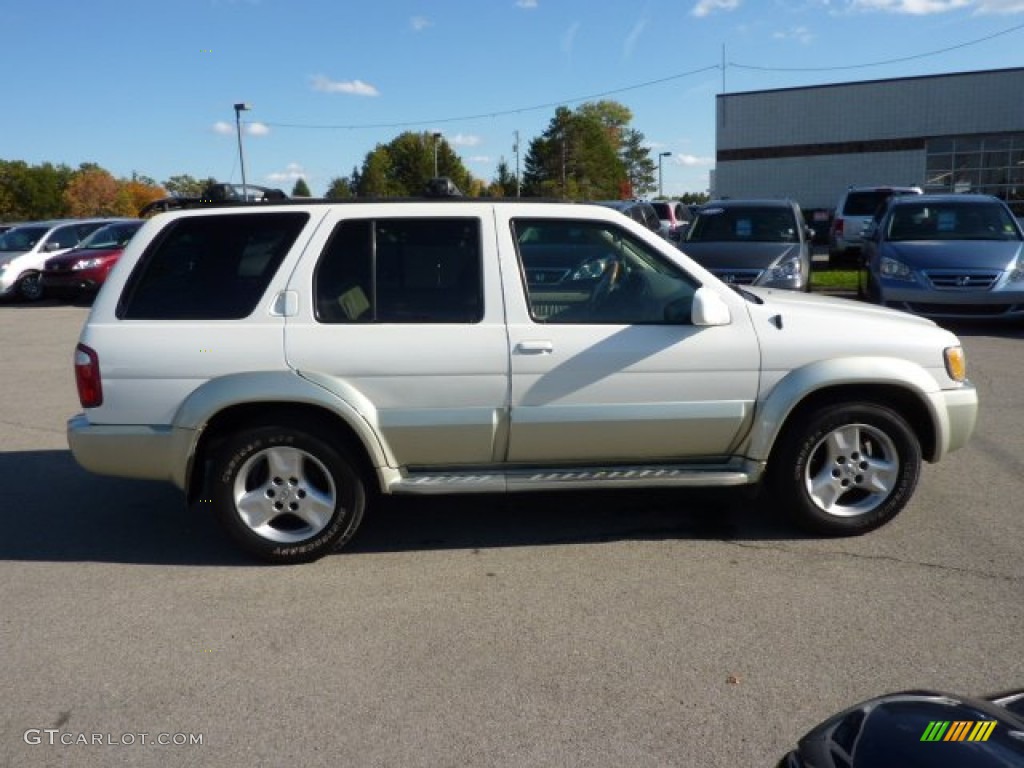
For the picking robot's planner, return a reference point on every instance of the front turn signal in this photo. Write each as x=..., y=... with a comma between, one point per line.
x=956, y=363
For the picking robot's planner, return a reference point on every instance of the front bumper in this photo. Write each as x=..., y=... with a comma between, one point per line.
x=83, y=281
x=951, y=304
x=957, y=410
x=131, y=450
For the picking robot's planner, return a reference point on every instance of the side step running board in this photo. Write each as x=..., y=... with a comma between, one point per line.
x=518, y=480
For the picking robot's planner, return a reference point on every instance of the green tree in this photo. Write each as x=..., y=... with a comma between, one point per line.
x=641, y=170
x=576, y=157
x=32, y=192
x=404, y=166
x=301, y=188
x=340, y=188
x=504, y=182
x=184, y=185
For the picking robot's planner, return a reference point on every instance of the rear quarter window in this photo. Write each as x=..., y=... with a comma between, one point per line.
x=209, y=267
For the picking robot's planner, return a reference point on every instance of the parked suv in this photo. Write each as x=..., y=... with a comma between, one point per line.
x=856, y=207
x=284, y=363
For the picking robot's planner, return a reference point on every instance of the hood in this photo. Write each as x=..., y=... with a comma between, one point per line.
x=955, y=254
x=728, y=255
x=797, y=328
x=780, y=301
x=6, y=257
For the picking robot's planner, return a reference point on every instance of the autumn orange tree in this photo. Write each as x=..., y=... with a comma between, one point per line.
x=95, y=192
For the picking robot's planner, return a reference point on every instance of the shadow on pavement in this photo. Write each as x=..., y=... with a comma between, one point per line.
x=59, y=512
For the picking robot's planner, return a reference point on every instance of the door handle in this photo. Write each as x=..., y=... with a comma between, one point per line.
x=535, y=347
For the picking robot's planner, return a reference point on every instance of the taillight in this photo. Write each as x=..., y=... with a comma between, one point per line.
x=87, y=377
x=837, y=226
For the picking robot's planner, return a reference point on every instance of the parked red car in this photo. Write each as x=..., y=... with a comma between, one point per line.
x=84, y=269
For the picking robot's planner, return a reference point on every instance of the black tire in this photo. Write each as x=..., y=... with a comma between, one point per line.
x=305, y=498
x=845, y=469
x=29, y=287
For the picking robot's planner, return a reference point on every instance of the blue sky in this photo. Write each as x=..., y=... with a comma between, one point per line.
x=148, y=86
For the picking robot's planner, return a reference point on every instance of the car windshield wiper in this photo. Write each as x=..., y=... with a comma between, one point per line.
x=753, y=298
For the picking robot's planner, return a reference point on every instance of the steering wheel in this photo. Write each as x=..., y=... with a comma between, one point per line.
x=607, y=283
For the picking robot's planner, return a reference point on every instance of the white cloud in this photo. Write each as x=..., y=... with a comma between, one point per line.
x=479, y=159
x=419, y=23
x=293, y=172
x=526, y=3
x=225, y=128
x=800, y=34
x=707, y=7
x=569, y=38
x=692, y=160
x=1001, y=6
x=911, y=7
x=632, y=38
x=464, y=140
x=356, y=87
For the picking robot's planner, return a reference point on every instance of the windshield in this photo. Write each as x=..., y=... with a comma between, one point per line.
x=952, y=221
x=110, y=236
x=21, y=238
x=744, y=224
x=662, y=210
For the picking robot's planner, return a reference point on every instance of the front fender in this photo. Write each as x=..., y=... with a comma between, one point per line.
x=799, y=384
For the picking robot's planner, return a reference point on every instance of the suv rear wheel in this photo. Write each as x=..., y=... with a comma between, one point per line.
x=846, y=469
x=286, y=495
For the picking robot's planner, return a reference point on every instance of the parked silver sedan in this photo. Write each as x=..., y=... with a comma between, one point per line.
x=946, y=256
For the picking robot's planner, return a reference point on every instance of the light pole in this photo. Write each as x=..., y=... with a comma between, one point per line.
x=239, y=109
x=437, y=137
x=661, y=190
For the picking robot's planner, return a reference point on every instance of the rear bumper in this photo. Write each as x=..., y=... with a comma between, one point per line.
x=139, y=451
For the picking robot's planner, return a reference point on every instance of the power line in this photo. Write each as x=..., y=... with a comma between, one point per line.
x=638, y=86
x=878, y=63
x=501, y=113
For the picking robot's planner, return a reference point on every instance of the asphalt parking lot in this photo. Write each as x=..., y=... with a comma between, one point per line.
x=651, y=629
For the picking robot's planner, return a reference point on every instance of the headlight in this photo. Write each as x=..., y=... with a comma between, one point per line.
x=590, y=269
x=787, y=269
x=895, y=269
x=1016, y=274
x=87, y=264
x=956, y=363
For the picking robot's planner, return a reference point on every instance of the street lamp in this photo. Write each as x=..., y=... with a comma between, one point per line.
x=661, y=191
x=437, y=137
x=239, y=109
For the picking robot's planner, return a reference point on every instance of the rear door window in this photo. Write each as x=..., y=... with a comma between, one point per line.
x=401, y=271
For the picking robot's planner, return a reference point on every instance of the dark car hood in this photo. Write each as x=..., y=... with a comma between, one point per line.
x=955, y=254
x=69, y=258
x=722, y=255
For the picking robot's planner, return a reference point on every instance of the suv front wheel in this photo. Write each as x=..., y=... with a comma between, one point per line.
x=286, y=495
x=846, y=469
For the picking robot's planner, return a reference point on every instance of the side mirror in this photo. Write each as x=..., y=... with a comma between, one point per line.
x=709, y=308
x=51, y=246
x=870, y=231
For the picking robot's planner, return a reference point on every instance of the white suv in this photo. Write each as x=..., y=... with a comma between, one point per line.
x=857, y=206
x=278, y=362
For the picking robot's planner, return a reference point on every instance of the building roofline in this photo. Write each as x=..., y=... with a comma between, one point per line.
x=872, y=82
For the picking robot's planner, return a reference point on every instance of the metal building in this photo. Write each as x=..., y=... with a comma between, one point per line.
x=961, y=132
